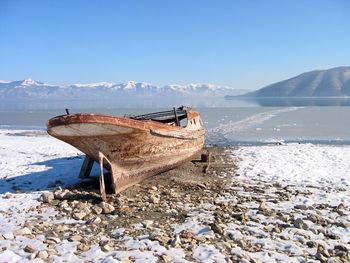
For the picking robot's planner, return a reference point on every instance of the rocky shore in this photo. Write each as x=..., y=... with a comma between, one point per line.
x=193, y=213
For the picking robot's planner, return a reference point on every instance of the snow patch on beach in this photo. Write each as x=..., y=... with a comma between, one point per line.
x=303, y=164
x=318, y=174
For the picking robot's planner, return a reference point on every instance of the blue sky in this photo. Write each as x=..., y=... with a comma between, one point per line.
x=243, y=44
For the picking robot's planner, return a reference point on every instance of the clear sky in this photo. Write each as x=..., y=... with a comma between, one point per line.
x=243, y=44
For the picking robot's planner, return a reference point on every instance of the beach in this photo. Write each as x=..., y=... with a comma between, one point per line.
x=273, y=203
x=241, y=107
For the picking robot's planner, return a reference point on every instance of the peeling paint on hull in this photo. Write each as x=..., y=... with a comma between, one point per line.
x=135, y=149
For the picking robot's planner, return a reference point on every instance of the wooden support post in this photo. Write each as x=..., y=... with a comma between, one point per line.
x=206, y=157
x=176, y=118
x=86, y=167
x=102, y=180
x=102, y=186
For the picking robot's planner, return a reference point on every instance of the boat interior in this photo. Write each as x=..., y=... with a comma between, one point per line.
x=171, y=117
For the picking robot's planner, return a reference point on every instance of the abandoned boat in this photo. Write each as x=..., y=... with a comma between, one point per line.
x=132, y=147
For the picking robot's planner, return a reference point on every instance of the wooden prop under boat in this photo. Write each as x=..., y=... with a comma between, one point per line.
x=132, y=147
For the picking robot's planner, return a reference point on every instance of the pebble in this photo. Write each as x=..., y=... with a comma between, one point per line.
x=216, y=228
x=186, y=235
x=42, y=254
x=47, y=197
x=321, y=257
x=333, y=260
x=62, y=228
x=75, y=238
x=94, y=221
x=29, y=249
x=96, y=209
x=299, y=223
x=148, y=223
x=54, y=239
x=9, y=196
x=22, y=231
x=8, y=236
x=107, y=208
x=341, y=247
x=167, y=259
x=176, y=241
x=67, y=209
x=262, y=206
x=51, y=252
x=83, y=247
x=154, y=200
x=62, y=194
x=79, y=215
x=161, y=238
x=311, y=244
x=32, y=256
x=107, y=248
x=302, y=207
x=284, y=237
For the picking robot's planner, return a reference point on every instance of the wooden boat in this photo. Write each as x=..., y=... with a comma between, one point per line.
x=132, y=147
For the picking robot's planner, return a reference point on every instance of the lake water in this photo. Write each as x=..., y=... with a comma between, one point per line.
x=230, y=125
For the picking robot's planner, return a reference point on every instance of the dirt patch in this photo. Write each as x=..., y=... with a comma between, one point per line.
x=155, y=197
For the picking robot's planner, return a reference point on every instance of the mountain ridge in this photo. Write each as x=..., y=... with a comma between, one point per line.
x=334, y=82
x=30, y=89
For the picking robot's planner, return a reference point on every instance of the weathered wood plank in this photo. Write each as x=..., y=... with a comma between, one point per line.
x=102, y=188
x=86, y=167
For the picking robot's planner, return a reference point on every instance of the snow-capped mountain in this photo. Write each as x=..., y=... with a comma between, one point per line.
x=33, y=90
x=27, y=89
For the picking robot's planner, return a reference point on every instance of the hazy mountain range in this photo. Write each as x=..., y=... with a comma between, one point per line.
x=35, y=90
x=333, y=82
x=32, y=94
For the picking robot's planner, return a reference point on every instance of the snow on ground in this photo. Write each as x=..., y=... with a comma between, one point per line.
x=305, y=165
x=320, y=179
x=33, y=160
x=31, y=163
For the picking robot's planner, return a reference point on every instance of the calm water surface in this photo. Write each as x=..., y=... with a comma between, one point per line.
x=230, y=125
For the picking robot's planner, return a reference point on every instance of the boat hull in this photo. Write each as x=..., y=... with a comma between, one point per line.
x=131, y=149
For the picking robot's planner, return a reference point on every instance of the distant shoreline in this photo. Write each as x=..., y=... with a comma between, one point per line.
x=293, y=101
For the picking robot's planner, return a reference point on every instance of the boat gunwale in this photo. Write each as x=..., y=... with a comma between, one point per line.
x=98, y=118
